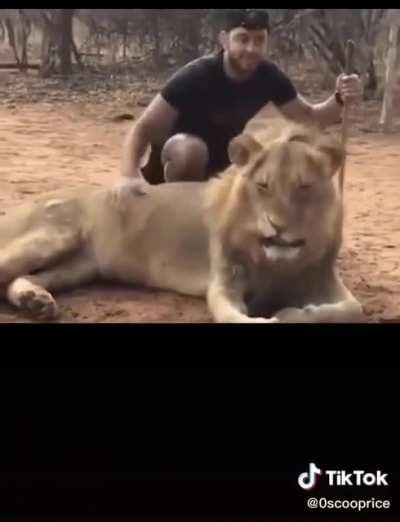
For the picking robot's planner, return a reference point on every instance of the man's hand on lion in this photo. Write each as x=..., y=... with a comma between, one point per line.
x=126, y=187
x=350, y=88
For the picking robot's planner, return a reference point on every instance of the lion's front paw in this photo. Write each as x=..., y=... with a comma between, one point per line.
x=295, y=315
x=33, y=299
x=245, y=319
x=263, y=320
x=40, y=305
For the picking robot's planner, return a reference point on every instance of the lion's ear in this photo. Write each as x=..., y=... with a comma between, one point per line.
x=334, y=150
x=242, y=148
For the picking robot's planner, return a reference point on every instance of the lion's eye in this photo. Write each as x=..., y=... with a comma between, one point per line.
x=305, y=186
x=263, y=186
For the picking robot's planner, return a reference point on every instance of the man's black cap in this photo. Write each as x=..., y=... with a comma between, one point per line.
x=255, y=19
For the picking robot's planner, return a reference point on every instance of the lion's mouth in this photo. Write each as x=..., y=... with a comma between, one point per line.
x=277, y=248
x=280, y=242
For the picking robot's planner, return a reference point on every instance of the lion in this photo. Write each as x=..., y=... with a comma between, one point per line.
x=259, y=242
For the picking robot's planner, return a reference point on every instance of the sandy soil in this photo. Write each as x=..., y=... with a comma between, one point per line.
x=45, y=146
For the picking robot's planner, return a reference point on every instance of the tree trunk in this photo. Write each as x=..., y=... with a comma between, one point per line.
x=124, y=40
x=192, y=38
x=2, y=31
x=154, y=23
x=76, y=54
x=18, y=30
x=390, y=76
x=25, y=31
x=57, y=42
x=372, y=84
x=11, y=38
x=48, y=46
x=65, y=42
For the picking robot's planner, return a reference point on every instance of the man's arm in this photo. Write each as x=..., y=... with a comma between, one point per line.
x=326, y=113
x=329, y=111
x=157, y=121
x=153, y=126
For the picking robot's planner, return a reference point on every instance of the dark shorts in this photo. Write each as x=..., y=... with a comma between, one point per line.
x=153, y=171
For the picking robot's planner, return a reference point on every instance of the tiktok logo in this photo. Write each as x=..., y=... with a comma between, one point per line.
x=342, y=478
x=308, y=480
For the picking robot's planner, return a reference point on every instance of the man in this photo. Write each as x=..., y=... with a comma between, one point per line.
x=189, y=125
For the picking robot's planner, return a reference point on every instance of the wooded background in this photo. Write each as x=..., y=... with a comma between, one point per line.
x=62, y=41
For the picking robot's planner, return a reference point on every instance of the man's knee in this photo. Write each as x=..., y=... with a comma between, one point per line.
x=185, y=158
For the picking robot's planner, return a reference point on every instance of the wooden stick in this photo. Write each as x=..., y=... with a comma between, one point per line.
x=349, y=67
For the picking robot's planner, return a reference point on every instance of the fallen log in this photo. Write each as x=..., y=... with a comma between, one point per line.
x=19, y=66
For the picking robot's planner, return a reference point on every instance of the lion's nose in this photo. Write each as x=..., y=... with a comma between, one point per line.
x=279, y=227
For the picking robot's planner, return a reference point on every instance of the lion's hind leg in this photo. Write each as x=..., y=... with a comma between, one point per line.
x=36, y=249
x=31, y=293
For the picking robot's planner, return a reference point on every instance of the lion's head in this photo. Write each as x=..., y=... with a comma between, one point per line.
x=278, y=201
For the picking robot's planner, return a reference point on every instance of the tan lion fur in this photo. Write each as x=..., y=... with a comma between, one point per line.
x=204, y=239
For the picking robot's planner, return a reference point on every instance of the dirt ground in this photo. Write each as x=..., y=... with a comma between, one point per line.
x=45, y=146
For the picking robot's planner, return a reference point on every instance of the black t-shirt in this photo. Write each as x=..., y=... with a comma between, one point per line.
x=216, y=108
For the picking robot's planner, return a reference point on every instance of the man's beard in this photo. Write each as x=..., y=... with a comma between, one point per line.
x=237, y=68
